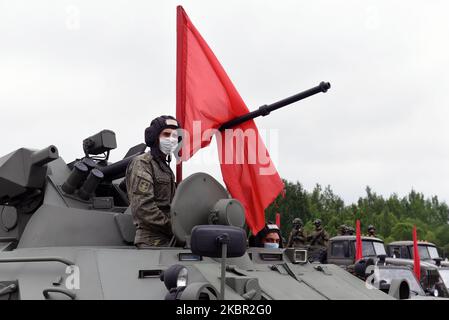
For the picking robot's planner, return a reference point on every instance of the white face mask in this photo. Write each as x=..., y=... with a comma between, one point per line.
x=168, y=145
x=271, y=245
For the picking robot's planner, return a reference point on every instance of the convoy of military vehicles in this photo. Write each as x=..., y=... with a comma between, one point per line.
x=66, y=232
x=433, y=281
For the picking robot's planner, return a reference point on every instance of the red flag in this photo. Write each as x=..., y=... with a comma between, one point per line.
x=206, y=98
x=358, y=242
x=416, y=258
x=278, y=220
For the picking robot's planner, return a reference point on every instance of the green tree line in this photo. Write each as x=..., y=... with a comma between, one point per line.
x=393, y=217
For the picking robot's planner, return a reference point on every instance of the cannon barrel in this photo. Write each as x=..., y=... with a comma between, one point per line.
x=44, y=156
x=116, y=170
x=266, y=109
x=23, y=171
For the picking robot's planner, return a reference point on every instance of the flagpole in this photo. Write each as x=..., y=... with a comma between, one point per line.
x=180, y=77
x=358, y=245
x=416, y=257
x=179, y=172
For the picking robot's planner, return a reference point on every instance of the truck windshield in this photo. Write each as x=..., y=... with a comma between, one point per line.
x=372, y=248
x=380, y=249
x=433, y=252
x=423, y=252
x=445, y=275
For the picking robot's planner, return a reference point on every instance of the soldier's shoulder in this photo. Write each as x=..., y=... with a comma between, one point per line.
x=144, y=157
x=141, y=162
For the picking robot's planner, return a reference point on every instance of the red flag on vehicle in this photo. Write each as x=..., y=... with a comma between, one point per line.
x=358, y=241
x=416, y=258
x=278, y=220
x=206, y=99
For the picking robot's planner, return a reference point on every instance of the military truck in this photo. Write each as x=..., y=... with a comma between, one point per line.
x=427, y=251
x=341, y=251
x=66, y=232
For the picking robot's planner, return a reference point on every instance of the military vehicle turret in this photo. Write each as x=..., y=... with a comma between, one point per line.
x=66, y=232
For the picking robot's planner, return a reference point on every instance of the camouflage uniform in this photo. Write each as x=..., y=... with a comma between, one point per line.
x=297, y=236
x=318, y=243
x=343, y=230
x=371, y=231
x=151, y=186
x=350, y=231
x=319, y=237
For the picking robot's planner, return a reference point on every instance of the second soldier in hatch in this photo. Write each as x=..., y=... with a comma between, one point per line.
x=269, y=237
x=150, y=184
x=319, y=236
x=371, y=231
x=297, y=236
x=350, y=231
x=343, y=230
x=318, y=242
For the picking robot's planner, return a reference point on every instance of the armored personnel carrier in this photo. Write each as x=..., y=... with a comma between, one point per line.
x=66, y=232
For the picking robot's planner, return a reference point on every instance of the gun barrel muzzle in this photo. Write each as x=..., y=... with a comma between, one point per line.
x=44, y=156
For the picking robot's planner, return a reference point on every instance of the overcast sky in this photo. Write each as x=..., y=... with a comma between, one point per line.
x=69, y=69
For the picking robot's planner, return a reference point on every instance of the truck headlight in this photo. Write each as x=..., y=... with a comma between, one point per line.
x=175, y=276
x=183, y=276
